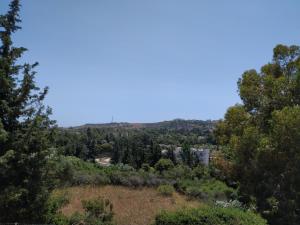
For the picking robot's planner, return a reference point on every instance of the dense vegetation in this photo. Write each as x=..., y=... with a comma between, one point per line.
x=25, y=132
x=131, y=143
x=209, y=216
x=260, y=138
x=254, y=168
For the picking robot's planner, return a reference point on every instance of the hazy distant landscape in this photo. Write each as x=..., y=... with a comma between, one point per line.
x=176, y=124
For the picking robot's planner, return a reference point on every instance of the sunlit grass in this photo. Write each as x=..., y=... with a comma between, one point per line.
x=131, y=206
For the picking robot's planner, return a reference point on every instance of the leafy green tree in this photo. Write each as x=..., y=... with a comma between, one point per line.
x=24, y=131
x=261, y=137
x=164, y=164
x=155, y=153
x=186, y=155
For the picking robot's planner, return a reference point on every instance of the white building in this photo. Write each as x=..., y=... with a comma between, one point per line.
x=201, y=154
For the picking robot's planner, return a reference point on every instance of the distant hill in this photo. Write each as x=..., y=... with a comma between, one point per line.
x=177, y=124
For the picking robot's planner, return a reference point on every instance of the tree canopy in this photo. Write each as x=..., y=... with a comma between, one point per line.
x=261, y=137
x=24, y=131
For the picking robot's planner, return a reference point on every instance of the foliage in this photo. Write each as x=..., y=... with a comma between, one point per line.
x=209, y=216
x=200, y=172
x=98, y=212
x=24, y=131
x=230, y=204
x=179, y=171
x=163, y=165
x=209, y=189
x=80, y=172
x=262, y=137
x=166, y=190
x=54, y=204
x=131, y=144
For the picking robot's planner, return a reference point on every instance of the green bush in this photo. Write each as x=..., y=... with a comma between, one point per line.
x=166, y=190
x=201, y=171
x=178, y=172
x=97, y=212
x=56, y=202
x=209, y=216
x=206, y=189
x=164, y=164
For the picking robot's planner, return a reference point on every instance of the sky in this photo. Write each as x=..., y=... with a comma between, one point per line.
x=149, y=61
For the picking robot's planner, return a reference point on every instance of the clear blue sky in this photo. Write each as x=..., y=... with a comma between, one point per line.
x=145, y=61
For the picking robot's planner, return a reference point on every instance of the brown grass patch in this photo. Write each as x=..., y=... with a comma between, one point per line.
x=131, y=206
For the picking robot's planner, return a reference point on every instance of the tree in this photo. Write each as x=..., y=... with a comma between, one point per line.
x=186, y=155
x=261, y=137
x=24, y=131
x=164, y=164
x=91, y=144
x=154, y=153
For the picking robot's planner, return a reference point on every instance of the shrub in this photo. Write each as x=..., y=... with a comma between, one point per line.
x=82, y=179
x=164, y=164
x=97, y=212
x=55, y=202
x=209, y=216
x=178, y=172
x=101, y=179
x=146, y=167
x=100, y=209
x=200, y=172
x=135, y=181
x=206, y=189
x=166, y=190
x=196, y=192
x=153, y=180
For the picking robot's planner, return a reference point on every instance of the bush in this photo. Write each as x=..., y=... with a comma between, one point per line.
x=206, y=189
x=101, y=179
x=163, y=165
x=200, y=172
x=196, y=192
x=166, y=190
x=178, y=172
x=146, y=167
x=56, y=202
x=152, y=180
x=135, y=181
x=209, y=216
x=97, y=212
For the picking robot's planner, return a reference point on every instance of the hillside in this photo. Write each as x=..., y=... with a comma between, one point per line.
x=172, y=125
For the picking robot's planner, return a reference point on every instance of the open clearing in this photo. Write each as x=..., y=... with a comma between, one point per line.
x=131, y=206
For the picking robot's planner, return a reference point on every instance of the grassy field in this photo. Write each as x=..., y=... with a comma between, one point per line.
x=131, y=206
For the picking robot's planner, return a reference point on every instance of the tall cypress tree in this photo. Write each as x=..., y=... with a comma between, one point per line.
x=24, y=131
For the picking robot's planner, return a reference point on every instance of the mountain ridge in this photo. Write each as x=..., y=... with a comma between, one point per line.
x=167, y=124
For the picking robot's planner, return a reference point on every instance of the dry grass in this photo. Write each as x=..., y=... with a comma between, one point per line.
x=131, y=206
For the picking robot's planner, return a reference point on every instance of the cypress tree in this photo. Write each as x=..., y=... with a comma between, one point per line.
x=24, y=131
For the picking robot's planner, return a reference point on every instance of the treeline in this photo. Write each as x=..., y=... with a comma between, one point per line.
x=129, y=146
x=260, y=138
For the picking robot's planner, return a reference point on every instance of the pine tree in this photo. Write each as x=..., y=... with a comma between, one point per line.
x=261, y=138
x=24, y=131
